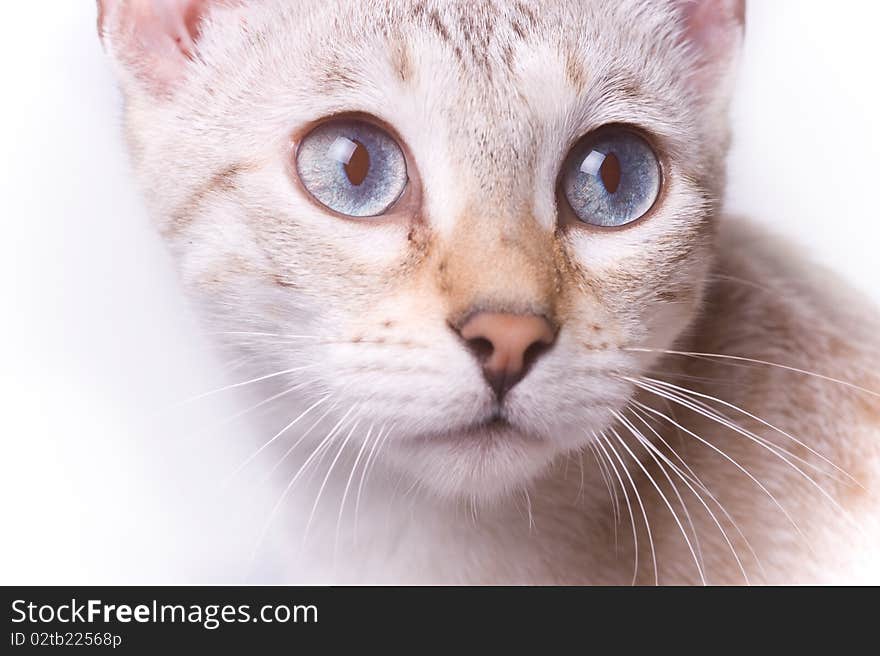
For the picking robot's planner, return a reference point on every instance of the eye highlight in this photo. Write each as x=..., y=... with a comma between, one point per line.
x=611, y=178
x=352, y=167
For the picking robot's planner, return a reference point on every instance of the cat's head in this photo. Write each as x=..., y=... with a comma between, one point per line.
x=448, y=219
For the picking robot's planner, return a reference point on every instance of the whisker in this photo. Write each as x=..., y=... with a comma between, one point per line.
x=738, y=358
x=665, y=501
x=615, y=508
x=685, y=377
x=245, y=333
x=529, y=509
x=329, y=473
x=371, y=458
x=314, y=454
x=684, y=478
x=409, y=492
x=301, y=439
x=638, y=500
x=204, y=395
x=745, y=471
x=283, y=497
x=275, y=437
x=716, y=415
x=361, y=451
x=228, y=420
x=580, y=494
x=238, y=363
x=645, y=420
x=764, y=423
x=399, y=480
x=751, y=436
x=692, y=476
x=697, y=552
x=716, y=412
x=472, y=508
x=743, y=281
x=598, y=441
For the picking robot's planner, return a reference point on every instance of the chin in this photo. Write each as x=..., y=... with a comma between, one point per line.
x=484, y=463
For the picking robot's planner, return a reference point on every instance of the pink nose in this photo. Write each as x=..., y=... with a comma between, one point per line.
x=507, y=345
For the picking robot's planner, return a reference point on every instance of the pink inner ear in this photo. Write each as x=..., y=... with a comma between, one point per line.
x=164, y=22
x=155, y=38
x=713, y=25
x=714, y=28
x=192, y=18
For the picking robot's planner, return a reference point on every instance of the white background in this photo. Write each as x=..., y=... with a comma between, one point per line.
x=95, y=340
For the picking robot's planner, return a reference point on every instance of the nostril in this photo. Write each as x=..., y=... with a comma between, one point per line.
x=506, y=345
x=533, y=352
x=481, y=347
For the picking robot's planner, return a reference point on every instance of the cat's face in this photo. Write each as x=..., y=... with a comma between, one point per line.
x=466, y=117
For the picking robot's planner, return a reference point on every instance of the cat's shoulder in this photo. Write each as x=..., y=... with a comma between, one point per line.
x=768, y=287
x=798, y=338
x=806, y=357
x=769, y=302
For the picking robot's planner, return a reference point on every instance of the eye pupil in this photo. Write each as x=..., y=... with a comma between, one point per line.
x=610, y=173
x=358, y=165
x=352, y=167
x=611, y=177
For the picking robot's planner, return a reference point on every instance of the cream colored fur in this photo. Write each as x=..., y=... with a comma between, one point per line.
x=488, y=98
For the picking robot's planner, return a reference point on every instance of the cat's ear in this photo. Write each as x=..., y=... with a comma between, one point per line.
x=714, y=30
x=152, y=40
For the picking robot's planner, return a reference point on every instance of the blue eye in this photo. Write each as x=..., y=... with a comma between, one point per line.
x=611, y=178
x=353, y=167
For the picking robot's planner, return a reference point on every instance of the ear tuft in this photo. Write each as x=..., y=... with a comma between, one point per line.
x=714, y=29
x=713, y=23
x=153, y=40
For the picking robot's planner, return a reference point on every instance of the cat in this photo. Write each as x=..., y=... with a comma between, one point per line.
x=475, y=256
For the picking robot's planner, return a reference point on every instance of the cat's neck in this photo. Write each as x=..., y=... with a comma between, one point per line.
x=389, y=529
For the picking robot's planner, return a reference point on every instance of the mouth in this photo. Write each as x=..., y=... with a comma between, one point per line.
x=494, y=427
x=487, y=458
x=495, y=422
